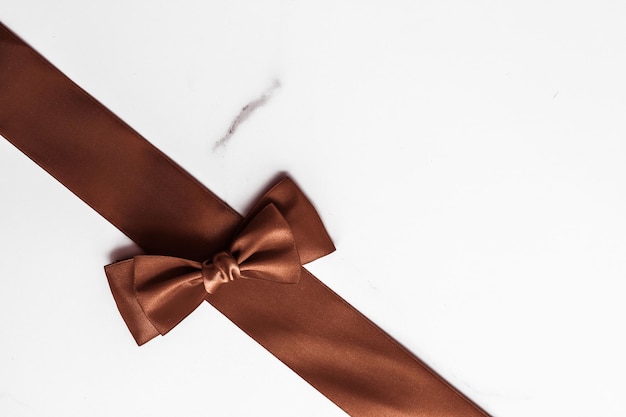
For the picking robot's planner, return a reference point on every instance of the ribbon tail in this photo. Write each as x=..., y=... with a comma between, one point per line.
x=121, y=282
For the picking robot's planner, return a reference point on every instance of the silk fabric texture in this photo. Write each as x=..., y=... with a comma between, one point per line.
x=168, y=213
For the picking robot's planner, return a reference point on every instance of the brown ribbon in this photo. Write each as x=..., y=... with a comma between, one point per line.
x=167, y=212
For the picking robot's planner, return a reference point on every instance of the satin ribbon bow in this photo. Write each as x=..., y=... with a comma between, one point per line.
x=154, y=293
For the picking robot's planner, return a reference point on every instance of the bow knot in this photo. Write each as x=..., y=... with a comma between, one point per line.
x=154, y=293
x=221, y=269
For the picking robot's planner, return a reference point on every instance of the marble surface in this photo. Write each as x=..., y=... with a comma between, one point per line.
x=467, y=159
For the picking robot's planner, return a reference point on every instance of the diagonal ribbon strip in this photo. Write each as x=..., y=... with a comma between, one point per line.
x=305, y=325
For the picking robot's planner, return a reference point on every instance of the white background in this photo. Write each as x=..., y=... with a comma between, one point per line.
x=467, y=159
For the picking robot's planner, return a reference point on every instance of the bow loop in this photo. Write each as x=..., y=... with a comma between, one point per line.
x=155, y=293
